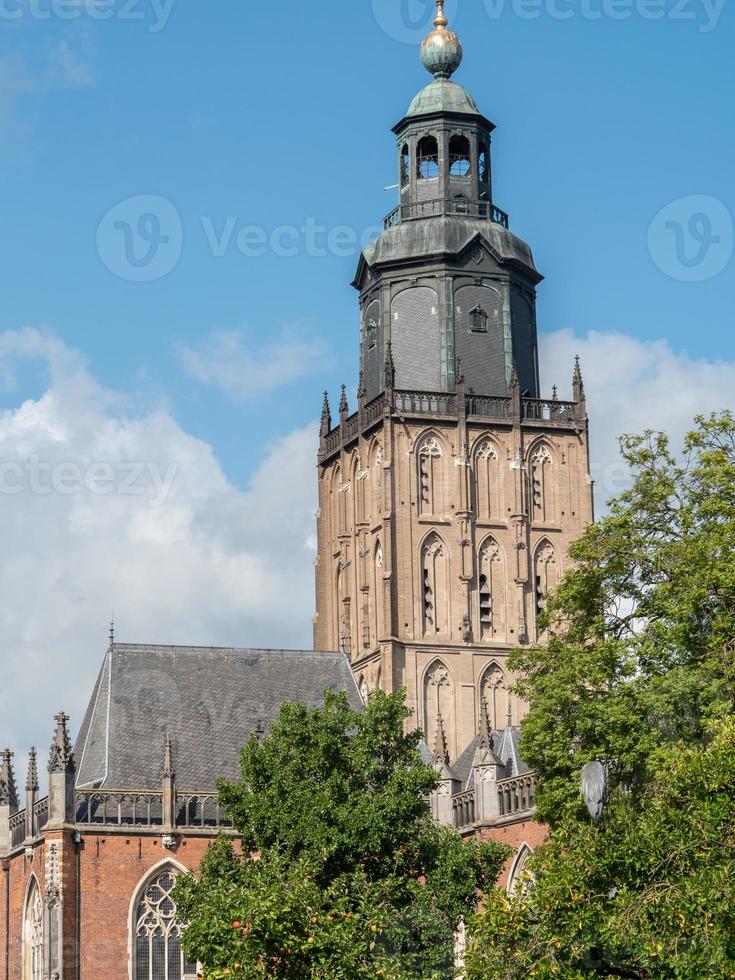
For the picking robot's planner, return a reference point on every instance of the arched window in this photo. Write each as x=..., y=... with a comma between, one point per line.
x=546, y=571
x=344, y=613
x=478, y=319
x=494, y=690
x=435, y=587
x=363, y=688
x=378, y=565
x=375, y=477
x=438, y=700
x=520, y=878
x=359, y=480
x=431, y=487
x=487, y=480
x=157, y=933
x=541, y=497
x=405, y=165
x=33, y=934
x=428, y=158
x=491, y=589
x=484, y=162
x=459, y=156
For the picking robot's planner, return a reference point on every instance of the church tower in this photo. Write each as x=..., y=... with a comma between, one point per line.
x=448, y=500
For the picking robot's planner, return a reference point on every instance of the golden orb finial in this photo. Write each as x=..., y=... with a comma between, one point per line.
x=441, y=52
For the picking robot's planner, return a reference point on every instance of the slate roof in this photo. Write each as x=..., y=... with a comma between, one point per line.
x=441, y=95
x=447, y=235
x=209, y=699
x=505, y=746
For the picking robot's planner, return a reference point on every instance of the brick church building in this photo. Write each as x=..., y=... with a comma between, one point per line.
x=448, y=501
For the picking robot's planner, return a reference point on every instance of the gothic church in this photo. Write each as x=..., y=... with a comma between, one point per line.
x=448, y=501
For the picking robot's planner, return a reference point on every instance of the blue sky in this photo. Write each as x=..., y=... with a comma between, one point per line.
x=614, y=156
x=271, y=114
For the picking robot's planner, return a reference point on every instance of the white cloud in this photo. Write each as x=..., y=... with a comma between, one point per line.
x=209, y=564
x=243, y=363
x=633, y=385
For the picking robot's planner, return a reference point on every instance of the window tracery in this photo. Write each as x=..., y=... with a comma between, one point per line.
x=158, y=951
x=33, y=935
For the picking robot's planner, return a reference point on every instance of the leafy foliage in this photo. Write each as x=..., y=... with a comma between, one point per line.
x=641, y=648
x=649, y=894
x=350, y=876
x=638, y=672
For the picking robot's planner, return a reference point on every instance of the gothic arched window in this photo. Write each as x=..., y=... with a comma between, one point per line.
x=435, y=587
x=438, y=699
x=541, y=487
x=459, y=156
x=378, y=565
x=33, y=934
x=494, y=690
x=491, y=589
x=520, y=878
x=546, y=573
x=157, y=933
x=431, y=497
x=428, y=158
x=405, y=165
x=375, y=477
x=484, y=162
x=487, y=480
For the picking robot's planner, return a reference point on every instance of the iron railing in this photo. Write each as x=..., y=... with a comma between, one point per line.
x=436, y=207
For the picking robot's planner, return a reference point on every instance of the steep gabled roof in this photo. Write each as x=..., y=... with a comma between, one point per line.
x=209, y=699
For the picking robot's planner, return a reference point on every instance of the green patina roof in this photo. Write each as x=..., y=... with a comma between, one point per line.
x=442, y=95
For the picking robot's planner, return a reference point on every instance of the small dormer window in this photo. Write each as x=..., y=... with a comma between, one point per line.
x=372, y=334
x=478, y=320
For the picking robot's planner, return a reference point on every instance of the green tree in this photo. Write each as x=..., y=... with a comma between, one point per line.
x=342, y=871
x=648, y=894
x=638, y=672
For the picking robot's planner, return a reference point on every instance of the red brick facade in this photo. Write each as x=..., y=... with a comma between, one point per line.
x=110, y=868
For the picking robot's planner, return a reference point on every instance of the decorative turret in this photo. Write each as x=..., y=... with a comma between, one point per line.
x=61, y=770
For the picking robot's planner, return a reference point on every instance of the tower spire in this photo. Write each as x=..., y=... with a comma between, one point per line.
x=441, y=52
x=61, y=757
x=326, y=424
x=32, y=776
x=441, y=749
